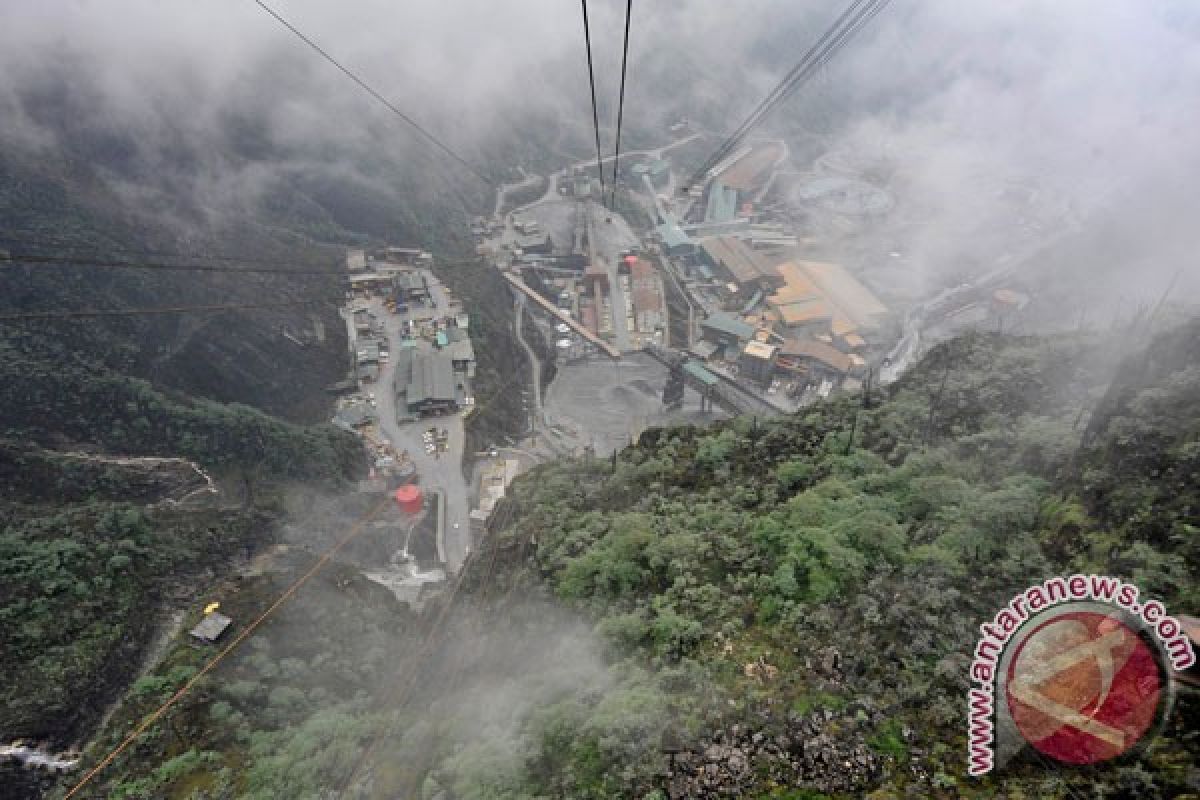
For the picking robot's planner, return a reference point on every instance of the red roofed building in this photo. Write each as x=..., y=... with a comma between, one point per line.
x=647, y=295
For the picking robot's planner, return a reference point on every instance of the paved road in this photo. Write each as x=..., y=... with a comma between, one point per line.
x=504, y=188
x=442, y=471
x=606, y=240
x=551, y=193
x=534, y=364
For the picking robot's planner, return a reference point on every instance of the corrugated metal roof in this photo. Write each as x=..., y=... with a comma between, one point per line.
x=211, y=627
x=722, y=203
x=796, y=285
x=723, y=323
x=760, y=350
x=461, y=350
x=804, y=311
x=745, y=264
x=847, y=293
x=424, y=376
x=409, y=280
x=749, y=170
x=700, y=373
x=672, y=235
x=826, y=354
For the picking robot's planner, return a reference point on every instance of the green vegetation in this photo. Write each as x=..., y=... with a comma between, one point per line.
x=289, y=712
x=91, y=559
x=44, y=399
x=80, y=585
x=705, y=552
x=824, y=572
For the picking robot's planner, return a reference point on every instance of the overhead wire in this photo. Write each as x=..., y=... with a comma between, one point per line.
x=737, y=134
x=125, y=251
x=775, y=94
x=355, y=531
x=621, y=103
x=429, y=137
x=11, y=260
x=587, y=38
x=405, y=680
x=426, y=649
x=847, y=25
x=15, y=260
x=134, y=312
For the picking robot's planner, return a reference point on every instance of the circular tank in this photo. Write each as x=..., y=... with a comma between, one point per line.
x=408, y=497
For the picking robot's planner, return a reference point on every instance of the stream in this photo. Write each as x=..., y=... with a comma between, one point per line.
x=33, y=757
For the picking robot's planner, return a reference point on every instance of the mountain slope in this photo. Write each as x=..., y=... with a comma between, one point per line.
x=768, y=609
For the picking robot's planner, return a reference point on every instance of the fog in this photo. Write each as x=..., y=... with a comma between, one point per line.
x=1091, y=107
x=1060, y=135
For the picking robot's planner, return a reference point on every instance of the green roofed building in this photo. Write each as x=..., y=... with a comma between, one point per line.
x=700, y=373
x=674, y=240
x=723, y=329
x=722, y=203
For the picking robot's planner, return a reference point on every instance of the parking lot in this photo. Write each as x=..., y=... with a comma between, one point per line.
x=438, y=459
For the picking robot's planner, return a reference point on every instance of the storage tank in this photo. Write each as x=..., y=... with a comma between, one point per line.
x=408, y=497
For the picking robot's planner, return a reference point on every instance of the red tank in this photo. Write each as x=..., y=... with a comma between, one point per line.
x=409, y=499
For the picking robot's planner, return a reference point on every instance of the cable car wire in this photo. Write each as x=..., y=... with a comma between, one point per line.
x=81, y=258
x=587, y=38
x=851, y=21
x=147, y=721
x=88, y=313
x=733, y=138
x=16, y=260
x=125, y=251
x=621, y=102
x=429, y=137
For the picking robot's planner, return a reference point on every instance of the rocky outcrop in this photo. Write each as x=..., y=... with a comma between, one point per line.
x=825, y=751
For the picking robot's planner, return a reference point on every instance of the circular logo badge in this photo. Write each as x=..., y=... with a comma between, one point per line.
x=1084, y=687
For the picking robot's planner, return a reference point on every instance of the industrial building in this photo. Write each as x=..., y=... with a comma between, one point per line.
x=367, y=354
x=757, y=362
x=369, y=282
x=403, y=256
x=410, y=286
x=649, y=311
x=816, y=359
x=535, y=244
x=674, y=241
x=726, y=331
x=425, y=382
x=751, y=172
x=722, y=203
x=819, y=298
x=209, y=629
x=747, y=268
x=457, y=346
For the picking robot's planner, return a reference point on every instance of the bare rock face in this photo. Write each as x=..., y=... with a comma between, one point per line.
x=822, y=751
